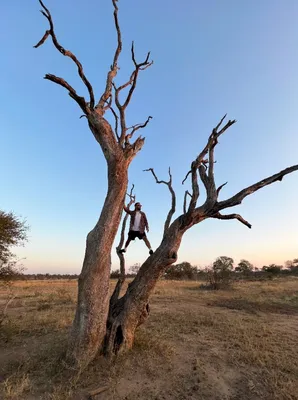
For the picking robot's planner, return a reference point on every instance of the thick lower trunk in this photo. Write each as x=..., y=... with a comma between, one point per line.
x=130, y=311
x=89, y=326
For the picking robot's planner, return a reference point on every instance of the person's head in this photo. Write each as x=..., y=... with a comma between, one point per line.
x=138, y=206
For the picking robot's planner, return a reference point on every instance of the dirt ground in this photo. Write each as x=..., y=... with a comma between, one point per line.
x=197, y=344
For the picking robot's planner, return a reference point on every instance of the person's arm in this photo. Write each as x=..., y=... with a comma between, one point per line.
x=126, y=209
x=146, y=223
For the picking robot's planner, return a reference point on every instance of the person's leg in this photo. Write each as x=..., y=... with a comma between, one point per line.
x=129, y=239
x=148, y=244
x=127, y=243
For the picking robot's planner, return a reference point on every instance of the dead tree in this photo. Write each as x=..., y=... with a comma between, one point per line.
x=119, y=147
x=131, y=310
x=110, y=324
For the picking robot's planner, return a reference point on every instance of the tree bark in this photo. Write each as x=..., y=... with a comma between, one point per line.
x=131, y=310
x=89, y=325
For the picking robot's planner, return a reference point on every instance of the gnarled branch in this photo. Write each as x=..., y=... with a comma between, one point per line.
x=67, y=53
x=237, y=198
x=232, y=216
x=201, y=163
x=173, y=205
x=132, y=82
x=72, y=93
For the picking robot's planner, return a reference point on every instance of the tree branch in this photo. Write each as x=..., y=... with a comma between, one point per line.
x=134, y=77
x=131, y=82
x=114, y=67
x=237, y=198
x=121, y=278
x=195, y=189
x=66, y=53
x=184, y=202
x=232, y=216
x=220, y=187
x=136, y=128
x=116, y=122
x=72, y=93
x=173, y=205
x=201, y=163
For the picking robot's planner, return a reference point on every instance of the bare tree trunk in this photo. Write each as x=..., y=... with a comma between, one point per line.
x=89, y=325
x=130, y=311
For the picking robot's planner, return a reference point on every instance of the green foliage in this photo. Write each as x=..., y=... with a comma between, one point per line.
x=223, y=263
x=220, y=275
x=244, y=267
x=272, y=268
x=182, y=271
x=115, y=274
x=13, y=232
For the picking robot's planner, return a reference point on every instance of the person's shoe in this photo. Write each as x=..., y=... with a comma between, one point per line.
x=150, y=252
x=122, y=251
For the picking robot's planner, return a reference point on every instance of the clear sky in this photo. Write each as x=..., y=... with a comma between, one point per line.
x=210, y=58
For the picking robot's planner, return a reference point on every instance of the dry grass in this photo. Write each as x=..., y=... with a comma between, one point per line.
x=237, y=344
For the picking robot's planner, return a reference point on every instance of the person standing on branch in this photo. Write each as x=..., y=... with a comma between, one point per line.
x=138, y=224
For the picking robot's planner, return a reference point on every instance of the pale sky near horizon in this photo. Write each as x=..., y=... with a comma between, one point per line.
x=210, y=58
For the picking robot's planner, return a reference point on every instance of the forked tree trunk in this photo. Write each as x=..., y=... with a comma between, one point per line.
x=96, y=317
x=130, y=311
x=89, y=325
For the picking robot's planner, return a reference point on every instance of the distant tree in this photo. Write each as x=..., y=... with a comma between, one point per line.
x=288, y=264
x=115, y=274
x=292, y=265
x=13, y=232
x=272, y=268
x=244, y=267
x=220, y=274
x=134, y=269
x=223, y=263
x=181, y=271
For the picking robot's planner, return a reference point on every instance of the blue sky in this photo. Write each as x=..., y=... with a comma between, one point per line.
x=210, y=58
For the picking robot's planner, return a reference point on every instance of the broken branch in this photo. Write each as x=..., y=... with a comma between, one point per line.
x=72, y=93
x=220, y=187
x=232, y=216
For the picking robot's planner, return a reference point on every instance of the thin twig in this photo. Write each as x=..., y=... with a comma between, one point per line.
x=136, y=128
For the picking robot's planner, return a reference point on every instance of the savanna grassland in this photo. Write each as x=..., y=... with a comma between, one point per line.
x=240, y=343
